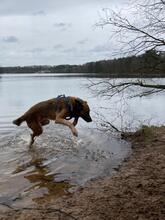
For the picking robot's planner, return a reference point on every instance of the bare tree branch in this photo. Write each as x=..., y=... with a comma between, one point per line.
x=109, y=88
x=146, y=32
x=140, y=29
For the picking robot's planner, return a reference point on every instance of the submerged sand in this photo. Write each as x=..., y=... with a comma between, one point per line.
x=136, y=191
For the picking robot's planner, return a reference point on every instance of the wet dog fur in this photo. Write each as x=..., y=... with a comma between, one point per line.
x=58, y=110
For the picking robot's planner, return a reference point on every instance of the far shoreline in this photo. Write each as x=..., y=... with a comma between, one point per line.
x=97, y=75
x=139, y=66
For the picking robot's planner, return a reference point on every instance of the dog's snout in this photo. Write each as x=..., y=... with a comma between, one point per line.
x=89, y=119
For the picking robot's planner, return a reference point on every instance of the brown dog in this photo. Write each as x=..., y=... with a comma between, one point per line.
x=60, y=109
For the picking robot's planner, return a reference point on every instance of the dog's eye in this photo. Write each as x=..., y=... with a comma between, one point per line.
x=87, y=112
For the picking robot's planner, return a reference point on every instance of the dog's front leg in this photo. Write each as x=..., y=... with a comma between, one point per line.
x=67, y=123
x=75, y=121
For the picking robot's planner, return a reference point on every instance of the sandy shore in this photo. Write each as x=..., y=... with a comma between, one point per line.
x=136, y=191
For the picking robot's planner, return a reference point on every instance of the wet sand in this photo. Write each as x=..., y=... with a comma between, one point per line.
x=136, y=191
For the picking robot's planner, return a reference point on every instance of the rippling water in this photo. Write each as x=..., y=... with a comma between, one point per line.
x=59, y=163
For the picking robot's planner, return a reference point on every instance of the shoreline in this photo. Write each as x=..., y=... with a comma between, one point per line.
x=83, y=74
x=136, y=191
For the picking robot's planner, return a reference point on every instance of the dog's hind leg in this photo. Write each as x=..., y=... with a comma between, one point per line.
x=36, y=128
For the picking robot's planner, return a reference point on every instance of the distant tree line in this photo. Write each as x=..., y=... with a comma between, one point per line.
x=151, y=63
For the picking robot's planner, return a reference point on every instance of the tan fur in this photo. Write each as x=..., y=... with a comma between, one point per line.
x=57, y=110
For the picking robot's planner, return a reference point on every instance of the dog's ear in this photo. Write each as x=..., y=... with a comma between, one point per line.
x=79, y=104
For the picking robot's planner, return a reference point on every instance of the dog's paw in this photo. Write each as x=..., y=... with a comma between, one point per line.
x=75, y=132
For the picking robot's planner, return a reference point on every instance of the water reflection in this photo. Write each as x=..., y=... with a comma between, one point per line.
x=43, y=187
x=39, y=174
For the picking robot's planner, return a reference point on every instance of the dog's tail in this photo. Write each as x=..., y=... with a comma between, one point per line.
x=18, y=121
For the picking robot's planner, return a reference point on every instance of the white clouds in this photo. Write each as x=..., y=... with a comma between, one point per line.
x=36, y=50
x=24, y=7
x=10, y=39
x=39, y=13
x=58, y=46
x=62, y=26
x=82, y=42
x=51, y=32
x=100, y=48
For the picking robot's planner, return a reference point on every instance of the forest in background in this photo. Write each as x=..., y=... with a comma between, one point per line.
x=149, y=64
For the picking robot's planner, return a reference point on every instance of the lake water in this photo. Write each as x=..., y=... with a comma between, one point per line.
x=59, y=163
x=18, y=93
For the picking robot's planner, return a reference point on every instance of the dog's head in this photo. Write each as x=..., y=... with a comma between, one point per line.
x=83, y=110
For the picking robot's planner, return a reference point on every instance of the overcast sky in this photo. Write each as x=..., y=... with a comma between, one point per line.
x=52, y=32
